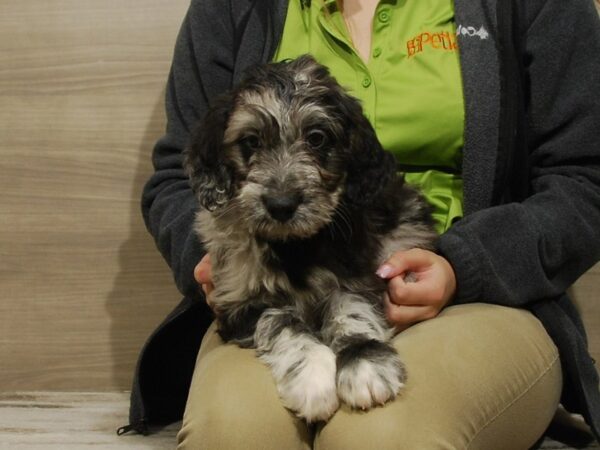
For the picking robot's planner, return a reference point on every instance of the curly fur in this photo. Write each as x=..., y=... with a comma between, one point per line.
x=301, y=205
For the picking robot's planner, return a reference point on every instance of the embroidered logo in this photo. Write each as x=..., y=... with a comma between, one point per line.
x=472, y=32
x=443, y=40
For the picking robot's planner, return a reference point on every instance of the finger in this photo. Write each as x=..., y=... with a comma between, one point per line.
x=203, y=270
x=208, y=289
x=419, y=293
x=403, y=316
x=405, y=261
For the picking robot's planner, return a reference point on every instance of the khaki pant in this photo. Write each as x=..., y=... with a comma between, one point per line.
x=479, y=377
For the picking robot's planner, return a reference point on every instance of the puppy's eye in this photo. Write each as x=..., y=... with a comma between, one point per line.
x=317, y=139
x=251, y=142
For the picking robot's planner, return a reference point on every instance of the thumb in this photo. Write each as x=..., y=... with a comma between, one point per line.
x=403, y=261
x=203, y=270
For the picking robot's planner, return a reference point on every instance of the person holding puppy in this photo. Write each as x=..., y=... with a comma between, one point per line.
x=491, y=110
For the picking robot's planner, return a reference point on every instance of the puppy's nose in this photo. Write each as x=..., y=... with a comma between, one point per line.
x=281, y=207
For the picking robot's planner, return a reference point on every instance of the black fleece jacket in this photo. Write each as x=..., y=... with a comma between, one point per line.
x=531, y=174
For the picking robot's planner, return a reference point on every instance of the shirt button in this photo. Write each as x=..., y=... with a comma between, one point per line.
x=384, y=16
x=376, y=52
x=366, y=82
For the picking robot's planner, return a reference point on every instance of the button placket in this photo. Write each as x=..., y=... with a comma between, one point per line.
x=384, y=15
x=369, y=92
x=382, y=22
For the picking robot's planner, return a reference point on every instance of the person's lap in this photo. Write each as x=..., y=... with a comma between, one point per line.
x=479, y=376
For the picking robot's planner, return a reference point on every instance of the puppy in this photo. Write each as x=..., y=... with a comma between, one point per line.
x=300, y=206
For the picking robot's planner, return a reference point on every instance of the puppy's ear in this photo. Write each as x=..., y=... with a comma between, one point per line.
x=211, y=177
x=370, y=168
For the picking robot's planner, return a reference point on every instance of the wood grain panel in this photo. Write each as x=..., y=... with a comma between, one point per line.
x=81, y=105
x=73, y=421
x=78, y=421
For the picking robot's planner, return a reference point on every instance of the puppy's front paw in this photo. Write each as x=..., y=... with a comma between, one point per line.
x=308, y=388
x=369, y=373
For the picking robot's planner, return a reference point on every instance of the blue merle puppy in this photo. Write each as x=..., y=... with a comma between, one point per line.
x=300, y=206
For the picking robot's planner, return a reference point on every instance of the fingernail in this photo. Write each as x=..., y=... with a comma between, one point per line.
x=384, y=271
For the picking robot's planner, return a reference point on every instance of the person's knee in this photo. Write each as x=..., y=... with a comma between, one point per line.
x=475, y=375
x=209, y=428
x=233, y=428
x=233, y=404
x=357, y=430
x=541, y=395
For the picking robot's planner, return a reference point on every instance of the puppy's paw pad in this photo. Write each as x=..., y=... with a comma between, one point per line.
x=310, y=389
x=371, y=378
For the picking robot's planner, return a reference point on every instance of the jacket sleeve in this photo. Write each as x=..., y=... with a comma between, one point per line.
x=201, y=68
x=519, y=253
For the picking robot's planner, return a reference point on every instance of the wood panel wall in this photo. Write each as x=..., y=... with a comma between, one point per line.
x=81, y=105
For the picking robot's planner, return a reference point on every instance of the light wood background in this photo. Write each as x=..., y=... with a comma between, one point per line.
x=81, y=105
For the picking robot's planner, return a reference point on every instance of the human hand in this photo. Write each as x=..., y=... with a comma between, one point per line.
x=420, y=284
x=203, y=276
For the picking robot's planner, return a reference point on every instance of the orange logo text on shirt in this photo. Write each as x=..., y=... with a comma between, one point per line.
x=443, y=40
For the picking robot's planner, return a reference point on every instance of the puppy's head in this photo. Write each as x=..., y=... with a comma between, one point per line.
x=281, y=152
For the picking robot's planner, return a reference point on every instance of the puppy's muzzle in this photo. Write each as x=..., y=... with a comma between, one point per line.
x=282, y=206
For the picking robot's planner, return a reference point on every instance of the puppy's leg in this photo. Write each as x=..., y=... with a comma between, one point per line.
x=237, y=321
x=370, y=371
x=304, y=369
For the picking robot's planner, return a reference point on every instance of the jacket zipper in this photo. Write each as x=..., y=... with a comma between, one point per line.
x=140, y=427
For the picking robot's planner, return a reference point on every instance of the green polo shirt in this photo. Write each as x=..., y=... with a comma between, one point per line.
x=410, y=88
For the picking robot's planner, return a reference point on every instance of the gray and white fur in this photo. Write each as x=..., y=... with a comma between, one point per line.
x=300, y=206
